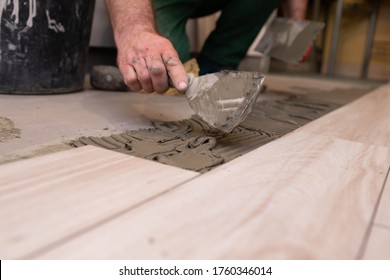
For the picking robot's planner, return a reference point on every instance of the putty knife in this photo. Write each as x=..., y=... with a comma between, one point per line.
x=286, y=39
x=222, y=99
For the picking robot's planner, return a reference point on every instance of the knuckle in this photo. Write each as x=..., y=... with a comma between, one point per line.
x=156, y=70
x=134, y=60
x=171, y=61
x=155, y=65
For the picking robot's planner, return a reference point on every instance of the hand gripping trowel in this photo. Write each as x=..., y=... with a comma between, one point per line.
x=222, y=99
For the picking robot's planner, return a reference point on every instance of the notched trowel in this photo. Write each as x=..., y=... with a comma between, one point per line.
x=286, y=39
x=222, y=99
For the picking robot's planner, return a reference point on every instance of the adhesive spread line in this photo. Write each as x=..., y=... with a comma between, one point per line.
x=194, y=145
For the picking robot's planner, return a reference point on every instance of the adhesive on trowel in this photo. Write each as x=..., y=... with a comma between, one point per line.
x=224, y=99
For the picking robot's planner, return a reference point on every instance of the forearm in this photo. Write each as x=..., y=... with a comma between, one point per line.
x=131, y=16
x=295, y=9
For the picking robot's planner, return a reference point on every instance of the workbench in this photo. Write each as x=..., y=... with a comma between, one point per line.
x=319, y=192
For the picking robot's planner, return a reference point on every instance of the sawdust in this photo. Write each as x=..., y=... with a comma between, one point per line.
x=8, y=130
x=194, y=145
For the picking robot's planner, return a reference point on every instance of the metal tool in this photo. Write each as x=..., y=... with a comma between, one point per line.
x=222, y=99
x=286, y=39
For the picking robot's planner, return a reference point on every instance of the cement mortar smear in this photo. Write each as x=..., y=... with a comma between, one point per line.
x=192, y=144
x=8, y=131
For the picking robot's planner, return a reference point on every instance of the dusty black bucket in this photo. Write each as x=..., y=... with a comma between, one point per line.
x=44, y=45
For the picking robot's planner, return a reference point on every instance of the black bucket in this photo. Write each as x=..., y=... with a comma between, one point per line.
x=44, y=45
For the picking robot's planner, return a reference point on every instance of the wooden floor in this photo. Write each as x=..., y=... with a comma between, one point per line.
x=320, y=192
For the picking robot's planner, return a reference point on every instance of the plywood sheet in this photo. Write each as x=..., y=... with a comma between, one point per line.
x=365, y=120
x=299, y=197
x=48, y=199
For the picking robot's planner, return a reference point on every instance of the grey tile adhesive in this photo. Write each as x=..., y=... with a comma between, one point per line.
x=192, y=144
x=8, y=131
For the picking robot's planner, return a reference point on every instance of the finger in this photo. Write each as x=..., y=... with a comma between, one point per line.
x=143, y=75
x=176, y=71
x=158, y=73
x=130, y=77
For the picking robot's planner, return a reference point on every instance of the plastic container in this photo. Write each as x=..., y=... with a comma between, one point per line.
x=44, y=45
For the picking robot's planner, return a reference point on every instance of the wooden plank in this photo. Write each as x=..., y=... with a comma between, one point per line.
x=383, y=215
x=47, y=199
x=378, y=247
x=365, y=120
x=299, y=197
x=299, y=84
x=378, y=243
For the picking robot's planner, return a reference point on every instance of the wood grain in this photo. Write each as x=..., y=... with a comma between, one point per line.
x=365, y=120
x=299, y=197
x=298, y=84
x=379, y=244
x=383, y=215
x=309, y=195
x=48, y=199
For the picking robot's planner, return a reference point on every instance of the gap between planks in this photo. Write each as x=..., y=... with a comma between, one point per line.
x=377, y=245
x=356, y=151
x=290, y=199
x=210, y=219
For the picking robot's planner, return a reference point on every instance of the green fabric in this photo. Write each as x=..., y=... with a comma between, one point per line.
x=236, y=29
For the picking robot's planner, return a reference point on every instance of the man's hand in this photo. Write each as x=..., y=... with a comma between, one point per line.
x=145, y=58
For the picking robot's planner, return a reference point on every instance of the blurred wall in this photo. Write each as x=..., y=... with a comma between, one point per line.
x=101, y=35
x=352, y=36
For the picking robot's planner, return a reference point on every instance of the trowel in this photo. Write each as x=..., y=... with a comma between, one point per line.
x=222, y=99
x=285, y=39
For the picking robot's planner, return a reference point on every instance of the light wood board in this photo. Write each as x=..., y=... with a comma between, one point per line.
x=49, y=199
x=383, y=215
x=311, y=194
x=378, y=244
x=298, y=197
x=365, y=120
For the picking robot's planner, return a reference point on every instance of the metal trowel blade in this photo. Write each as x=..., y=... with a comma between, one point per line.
x=224, y=99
